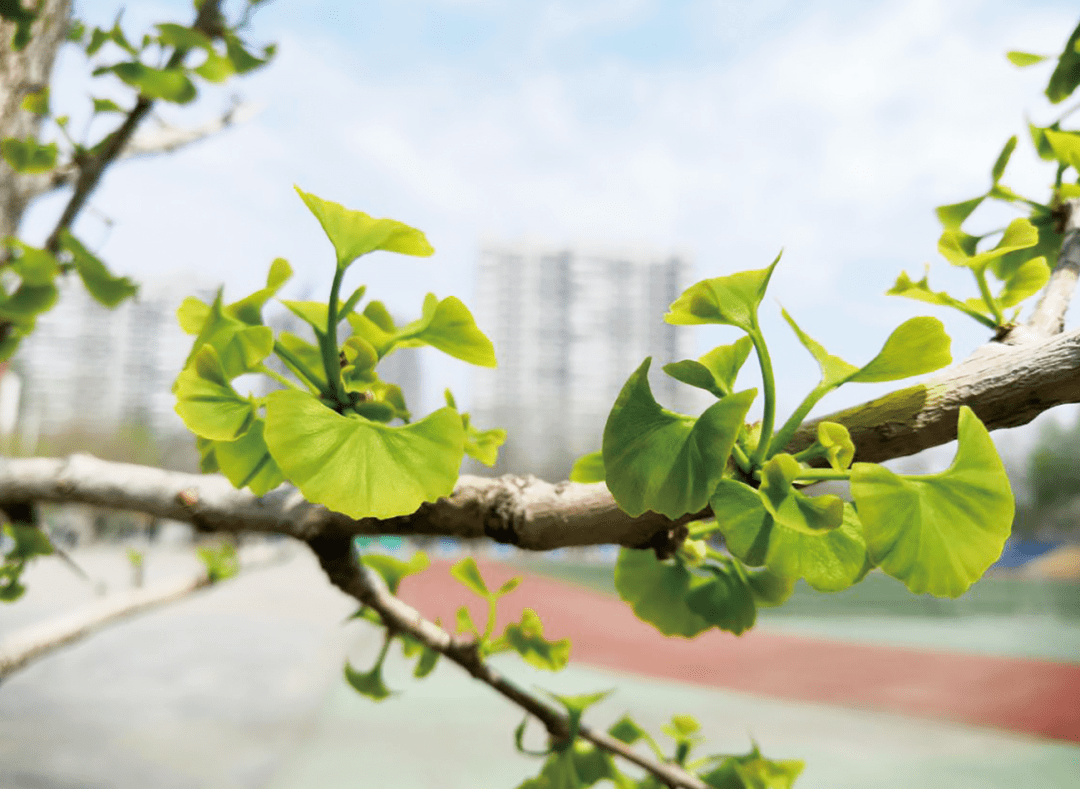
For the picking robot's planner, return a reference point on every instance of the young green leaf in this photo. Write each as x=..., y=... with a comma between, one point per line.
x=249, y=309
x=954, y=215
x=240, y=348
x=36, y=267
x=527, y=639
x=726, y=600
x=169, y=84
x=468, y=575
x=1066, y=146
x=658, y=592
x=28, y=156
x=246, y=462
x=731, y=300
x=354, y=233
x=920, y=291
x=393, y=570
x=1026, y=281
x=836, y=440
x=792, y=509
x=916, y=346
x=829, y=559
x=1066, y=74
x=1003, y=160
x=100, y=283
x=207, y=402
x=768, y=588
x=588, y=468
x=662, y=461
x=940, y=532
x=449, y=326
x=369, y=683
x=753, y=771
x=1020, y=234
x=37, y=101
x=362, y=468
x=1024, y=59
x=27, y=302
x=576, y=705
x=482, y=445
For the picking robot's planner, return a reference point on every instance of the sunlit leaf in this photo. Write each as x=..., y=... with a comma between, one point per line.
x=588, y=468
x=354, y=233
x=527, y=639
x=168, y=84
x=920, y=291
x=449, y=326
x=105, y=287
x=249, y=309
x=482, y=445
x=1003, y=159
x=393, y=570
x=829, y=559
x=1028, y=280
x=953, y=216
x=1066, y=74
x=246, y=462
x=37, y=101
x=938, y=533
x=207, y=402
x=1024, y=59
x=839, y=448
x=753, y=771
x=730, y=300
x=362, y=468
x=467, y=573
x=1066, y=146
x=919, y=345
x=662, y=461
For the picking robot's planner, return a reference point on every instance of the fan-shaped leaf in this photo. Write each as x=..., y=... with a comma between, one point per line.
x=940, y=532
x=730, y=300
x=207, y=402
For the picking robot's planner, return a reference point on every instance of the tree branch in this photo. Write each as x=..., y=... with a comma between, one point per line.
x=352, y=577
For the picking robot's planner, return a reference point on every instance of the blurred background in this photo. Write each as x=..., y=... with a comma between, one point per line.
x=576, y=165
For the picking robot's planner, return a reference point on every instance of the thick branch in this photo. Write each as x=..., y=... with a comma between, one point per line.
x=335, y=556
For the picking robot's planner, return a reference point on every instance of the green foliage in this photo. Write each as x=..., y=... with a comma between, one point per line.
x=13, y=11
x=221, y=560
x=24, y=542
x=28, y=156
x=330, y=431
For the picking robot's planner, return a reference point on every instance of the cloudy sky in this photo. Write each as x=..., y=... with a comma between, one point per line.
x=723, y=129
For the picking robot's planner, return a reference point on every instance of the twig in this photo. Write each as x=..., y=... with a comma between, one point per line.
x=335, y=555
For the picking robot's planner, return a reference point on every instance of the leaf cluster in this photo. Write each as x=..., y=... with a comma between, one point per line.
x=344, y=436
x=1019, y=263
x=20, y=543
x=936, y=533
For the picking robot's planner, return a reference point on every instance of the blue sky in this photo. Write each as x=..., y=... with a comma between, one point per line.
x=723, y=129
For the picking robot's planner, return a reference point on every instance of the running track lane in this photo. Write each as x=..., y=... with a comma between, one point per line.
x=1017, y=694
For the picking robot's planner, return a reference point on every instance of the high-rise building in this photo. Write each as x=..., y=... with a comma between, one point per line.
x=569, y=326
x=89, y=367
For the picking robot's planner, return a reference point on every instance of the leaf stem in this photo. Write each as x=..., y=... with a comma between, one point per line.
x=281, y=379
x=300, y=369
x=988, y=299
x=741, y=460
x=328, y=342
x=768, y=383
x=821, y=474
x=784, y=435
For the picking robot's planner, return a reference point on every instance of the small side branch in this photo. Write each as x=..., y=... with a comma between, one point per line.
x=335, y=556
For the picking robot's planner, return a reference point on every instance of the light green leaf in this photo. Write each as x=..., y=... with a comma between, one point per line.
x=829, y=559
x=1003, y=160
x=1027, y=280
x=28, y=156
x=216, y=68
x=249, y=309
x=916, y=346
x=1066, y=146
x=753, y=771
x=658, y=592
x=361, y=468
x=313, y=313
x=662, y=461
x=240, y=348
x=527, y=639
x=354, y=233
x=464, y=622
x=954, y=215
x=449, y=326
x=369, y=683
x=791, y=509
x=180, y=37
x=303, y=351
x=207, y=402
x=1020, y=234
x=468, y=575
x=246, y=462
x=242, y=60
x=839, y=448
x=588, y=468
x=1042, y=145
x=106, y=288
x=169, y=84
x=695, y=374
x=940, y=532
x=36, y=267
x=107, y=105
x=834, y=370
x=37, y=101
x=483, y=445
x=393, y=570
x=768, y=588
x=731, y=300
x=1066, y=74
x=1024, y=59
x=192, y=314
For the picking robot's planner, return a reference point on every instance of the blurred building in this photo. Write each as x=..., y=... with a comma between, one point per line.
x=569, y=326
x=86, y=367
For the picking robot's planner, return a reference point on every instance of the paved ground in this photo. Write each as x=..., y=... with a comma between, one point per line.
x=242, y=688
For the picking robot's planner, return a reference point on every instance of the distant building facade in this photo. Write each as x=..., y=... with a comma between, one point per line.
x=569, y=326
x=87, y=366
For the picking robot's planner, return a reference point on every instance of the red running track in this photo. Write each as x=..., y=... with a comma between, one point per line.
x=1017, y=694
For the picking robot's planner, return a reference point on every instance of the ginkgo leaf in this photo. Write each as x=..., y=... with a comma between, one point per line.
x=354, y=233
x=829, y=559
x=393, y=570
x=588, y=468
x=527, y=639
x=662, y=461
x=246, y=462
x=938, y=533
x=100, y=283
x=953, y=216
x=449, y=326
x=1026, y=281
x=731, y=300
x=358, y=467
x=207, y=401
